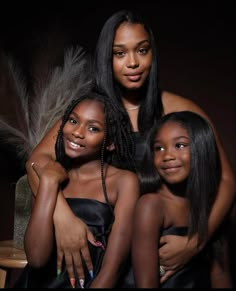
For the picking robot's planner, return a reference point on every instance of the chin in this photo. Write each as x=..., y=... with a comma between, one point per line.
x=134, y=87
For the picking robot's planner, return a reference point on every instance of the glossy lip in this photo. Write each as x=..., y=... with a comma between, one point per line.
x=134, y=76
x=170, y=169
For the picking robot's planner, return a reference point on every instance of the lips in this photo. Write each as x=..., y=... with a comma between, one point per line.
x=134, y=76
x=170, y=169
x=74, y=145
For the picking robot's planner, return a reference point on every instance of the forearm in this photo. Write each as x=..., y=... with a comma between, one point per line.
x=222, y=205
x=61, y=209
x=109, y=274
x=39, y=234
x=116, y=254
x=104, y=280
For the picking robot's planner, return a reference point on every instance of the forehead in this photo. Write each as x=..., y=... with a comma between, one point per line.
x=128, y=31
x=172, y=129
x=93, y=108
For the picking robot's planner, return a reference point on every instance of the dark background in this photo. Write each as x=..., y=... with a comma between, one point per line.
x=196, y=58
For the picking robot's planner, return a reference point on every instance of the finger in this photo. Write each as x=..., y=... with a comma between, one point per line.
x=70, y=268
x=166, y=276
x=163, y=239
x=36, y=168
x=78, y=266
x=163, y=254
x=87, y=258
x=170, y=267
x=59, y=262
x=91, y=238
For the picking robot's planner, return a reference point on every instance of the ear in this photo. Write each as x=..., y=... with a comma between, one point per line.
x=110, y=147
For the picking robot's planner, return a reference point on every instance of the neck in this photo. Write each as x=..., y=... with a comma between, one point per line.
x=132, y=108
x=131, y=100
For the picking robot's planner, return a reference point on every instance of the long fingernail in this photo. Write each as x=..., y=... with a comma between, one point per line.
x=91, y=273
x=99, y=244
x=72, y=282
x=81, y=281
x=58, y=273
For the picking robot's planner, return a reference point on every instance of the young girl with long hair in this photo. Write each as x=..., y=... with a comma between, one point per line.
x=180, y=174
x=94, y=171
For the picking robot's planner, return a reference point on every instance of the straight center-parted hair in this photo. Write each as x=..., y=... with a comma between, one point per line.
x=205, y=168
x=151, y=105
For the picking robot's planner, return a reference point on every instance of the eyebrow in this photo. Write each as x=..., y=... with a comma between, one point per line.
x=176, y=138
x=89, y=120
x=138, y=44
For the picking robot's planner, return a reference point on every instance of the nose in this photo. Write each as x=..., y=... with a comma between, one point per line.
x=78, y=132
x=168, y=155
x=133, y=61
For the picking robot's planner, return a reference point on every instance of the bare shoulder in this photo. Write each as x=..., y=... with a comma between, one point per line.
x=173, y=102
x=124, y=178
x=151, y=200
x=128, y=177
x=151, y=206
x=122, y=173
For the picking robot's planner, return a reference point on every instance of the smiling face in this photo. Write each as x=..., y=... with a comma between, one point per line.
x=84, y=131
x=172, y=152
x=132, y=55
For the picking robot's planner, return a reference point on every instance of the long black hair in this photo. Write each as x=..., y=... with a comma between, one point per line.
x=151, y=104
x=205, y=168
x=117, y=131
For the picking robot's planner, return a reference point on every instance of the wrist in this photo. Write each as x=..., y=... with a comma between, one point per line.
x=195, y=245
x=60, y=208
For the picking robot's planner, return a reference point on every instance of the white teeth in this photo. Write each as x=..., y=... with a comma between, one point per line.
x=75, y=144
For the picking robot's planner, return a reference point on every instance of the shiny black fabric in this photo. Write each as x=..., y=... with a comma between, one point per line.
x=195, y=274
x=98, y=217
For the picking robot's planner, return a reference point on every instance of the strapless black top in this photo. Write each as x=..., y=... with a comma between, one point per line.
x=98, y=217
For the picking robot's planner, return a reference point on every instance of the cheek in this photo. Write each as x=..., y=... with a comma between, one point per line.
x=156, y=160
x=186, y=160
x=95, y=142
x=66, y=129
x=116, y=68
x=147, y=65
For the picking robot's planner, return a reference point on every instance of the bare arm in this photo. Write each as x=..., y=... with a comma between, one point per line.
x=220, y=271
x=39, y=233
x=145, y=241
x=71, y=242
x=119, y=241
x=178, y=251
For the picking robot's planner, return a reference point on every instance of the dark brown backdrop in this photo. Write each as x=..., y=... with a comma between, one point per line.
x=196, y=54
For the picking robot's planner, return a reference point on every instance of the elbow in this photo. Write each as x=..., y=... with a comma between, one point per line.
x=229, y=182
x=232, y=183
x=36, y=260
x=37, y=254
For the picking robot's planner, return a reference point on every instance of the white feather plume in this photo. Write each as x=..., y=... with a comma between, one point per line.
x=35, y=115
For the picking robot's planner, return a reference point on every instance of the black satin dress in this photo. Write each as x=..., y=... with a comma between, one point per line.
x=195, y=274
x=99, y=217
